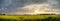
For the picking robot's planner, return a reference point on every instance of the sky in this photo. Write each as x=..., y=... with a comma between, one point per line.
x=19, y=7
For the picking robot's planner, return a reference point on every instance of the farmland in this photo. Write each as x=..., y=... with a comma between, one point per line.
x=29, y=18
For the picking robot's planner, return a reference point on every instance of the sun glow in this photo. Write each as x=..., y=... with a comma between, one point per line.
x=41, y=8
x=36, y=11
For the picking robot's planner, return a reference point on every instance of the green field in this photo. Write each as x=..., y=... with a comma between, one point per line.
x=28, y=17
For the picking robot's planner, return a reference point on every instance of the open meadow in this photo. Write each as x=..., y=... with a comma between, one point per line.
x=29, y=17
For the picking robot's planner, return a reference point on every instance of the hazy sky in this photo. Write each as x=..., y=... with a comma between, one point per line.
x=29, y=6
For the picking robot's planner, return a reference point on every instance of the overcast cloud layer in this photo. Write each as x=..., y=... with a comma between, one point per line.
x=29, y=6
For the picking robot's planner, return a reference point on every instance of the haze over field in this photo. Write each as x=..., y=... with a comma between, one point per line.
x=29, y=6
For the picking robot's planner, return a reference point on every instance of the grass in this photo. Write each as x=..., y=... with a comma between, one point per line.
x=28, y=17
x=24, y=17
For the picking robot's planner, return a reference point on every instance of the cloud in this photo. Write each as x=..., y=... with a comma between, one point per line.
x=54, y=4
x=31, y=7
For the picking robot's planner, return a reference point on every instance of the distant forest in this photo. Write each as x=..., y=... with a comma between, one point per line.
x=36, y=14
